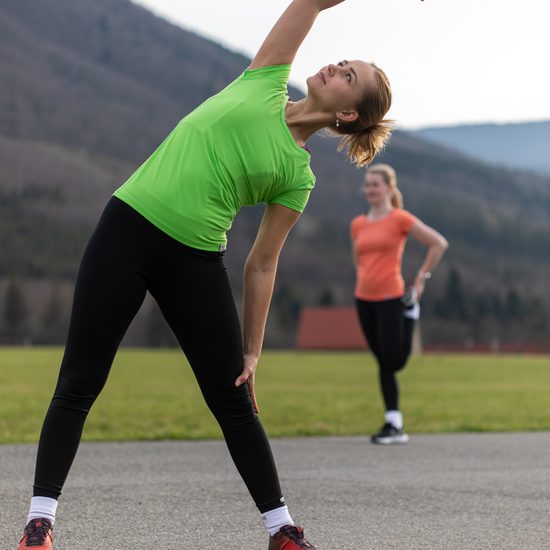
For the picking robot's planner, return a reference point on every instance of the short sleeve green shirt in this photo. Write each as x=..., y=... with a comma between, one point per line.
x=234, y=150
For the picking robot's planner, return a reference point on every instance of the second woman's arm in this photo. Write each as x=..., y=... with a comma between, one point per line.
x=437, y=245
x=282, y=43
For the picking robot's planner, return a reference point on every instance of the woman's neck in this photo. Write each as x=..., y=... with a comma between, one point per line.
x=303, y=121
x=377, y=211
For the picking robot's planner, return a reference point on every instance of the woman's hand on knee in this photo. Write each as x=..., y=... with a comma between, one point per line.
x=250, y=363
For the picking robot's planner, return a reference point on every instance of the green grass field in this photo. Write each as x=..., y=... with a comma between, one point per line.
x=153, y=395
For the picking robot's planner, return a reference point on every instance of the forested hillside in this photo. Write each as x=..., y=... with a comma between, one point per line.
x=88, y=89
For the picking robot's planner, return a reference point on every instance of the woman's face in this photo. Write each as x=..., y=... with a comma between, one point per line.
x=377, y=191
x=341, y=87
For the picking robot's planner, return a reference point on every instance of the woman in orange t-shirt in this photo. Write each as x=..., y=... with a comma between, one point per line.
x=388, y=314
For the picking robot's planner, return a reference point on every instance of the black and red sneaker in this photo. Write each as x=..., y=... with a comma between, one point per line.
x=289, y=537
x=37, y=535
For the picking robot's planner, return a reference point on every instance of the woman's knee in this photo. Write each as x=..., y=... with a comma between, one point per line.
x=79, y=387
x=390, y=361
x=393, y=362
x=232, y=406
x=400, y=365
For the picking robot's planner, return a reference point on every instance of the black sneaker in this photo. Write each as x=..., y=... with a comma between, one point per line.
x=410, y=298
x=389, y=435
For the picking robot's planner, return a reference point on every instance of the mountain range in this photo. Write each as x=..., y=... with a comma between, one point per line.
x=524, y=146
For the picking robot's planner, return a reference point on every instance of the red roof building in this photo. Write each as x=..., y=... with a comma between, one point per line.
x=338, y=328
x=330, y=328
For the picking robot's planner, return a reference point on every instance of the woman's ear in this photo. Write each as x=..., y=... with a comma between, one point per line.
x=347, y=116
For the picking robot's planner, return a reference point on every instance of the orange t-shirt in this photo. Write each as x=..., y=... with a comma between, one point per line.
x=379, y=248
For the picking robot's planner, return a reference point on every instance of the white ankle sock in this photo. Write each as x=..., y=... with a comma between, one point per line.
x=413, y=312
x=275, y=519
x=42, y=507
x=395, y=418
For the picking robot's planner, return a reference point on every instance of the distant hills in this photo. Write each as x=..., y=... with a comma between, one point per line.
x=524, y=146
x=89, y=89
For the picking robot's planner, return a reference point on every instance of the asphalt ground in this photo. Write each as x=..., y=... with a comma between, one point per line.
x=464, y=491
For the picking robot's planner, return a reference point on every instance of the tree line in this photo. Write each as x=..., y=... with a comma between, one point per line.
x=38, y=313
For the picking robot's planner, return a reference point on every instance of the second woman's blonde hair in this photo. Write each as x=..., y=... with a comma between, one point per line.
x=390, y=178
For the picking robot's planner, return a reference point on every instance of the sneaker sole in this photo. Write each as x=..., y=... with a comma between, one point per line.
x=393, y=440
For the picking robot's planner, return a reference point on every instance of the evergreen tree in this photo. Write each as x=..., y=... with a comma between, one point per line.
x=453, y=304
x=287, y=305
x=54, y=317
x=15, y=312
x=327, y=297
x=513, y=305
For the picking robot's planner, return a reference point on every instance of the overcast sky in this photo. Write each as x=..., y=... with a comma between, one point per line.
x=449, y=61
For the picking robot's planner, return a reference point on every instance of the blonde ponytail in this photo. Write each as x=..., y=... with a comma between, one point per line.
x=362, y=147
x=396, y=198
x=390, y=178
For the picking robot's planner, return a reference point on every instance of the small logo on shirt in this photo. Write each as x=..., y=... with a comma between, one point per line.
x=223, y=246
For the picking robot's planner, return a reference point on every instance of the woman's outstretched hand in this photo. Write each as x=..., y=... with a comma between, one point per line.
x=250, y=363
x=325, y=4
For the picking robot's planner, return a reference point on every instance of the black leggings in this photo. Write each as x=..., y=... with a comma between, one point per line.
x=389, y=334
x=126, y=257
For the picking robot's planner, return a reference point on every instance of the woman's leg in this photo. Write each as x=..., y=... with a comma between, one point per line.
x=196, y=300
x=370, y=319
x=393, y=347
x=109, y=290
x=391, y=333
x=394, y=337
x=408, y=332
x=395, y=333
x=367, y=320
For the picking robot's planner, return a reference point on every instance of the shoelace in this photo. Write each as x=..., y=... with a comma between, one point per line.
x=296, y=534
x=37, y=531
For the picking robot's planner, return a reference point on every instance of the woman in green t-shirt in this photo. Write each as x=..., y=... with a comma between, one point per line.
x=164, y=232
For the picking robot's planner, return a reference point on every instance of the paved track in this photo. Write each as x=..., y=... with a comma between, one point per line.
x=454, y=492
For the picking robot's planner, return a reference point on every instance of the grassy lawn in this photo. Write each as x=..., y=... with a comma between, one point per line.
x=153, y=395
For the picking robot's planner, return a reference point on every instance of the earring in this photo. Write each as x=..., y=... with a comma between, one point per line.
x=337, y=123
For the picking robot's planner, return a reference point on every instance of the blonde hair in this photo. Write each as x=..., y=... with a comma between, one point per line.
x=365, y=137
x=390, y=178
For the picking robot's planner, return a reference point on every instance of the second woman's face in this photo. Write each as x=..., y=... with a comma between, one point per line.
x=376, y=190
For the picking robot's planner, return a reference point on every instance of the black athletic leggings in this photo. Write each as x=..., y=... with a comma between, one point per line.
x=389, y=334
x=126, y=257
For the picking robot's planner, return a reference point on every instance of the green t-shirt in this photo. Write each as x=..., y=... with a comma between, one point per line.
x=234, y=150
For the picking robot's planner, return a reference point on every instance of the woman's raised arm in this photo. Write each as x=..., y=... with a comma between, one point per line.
x=284, y=39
